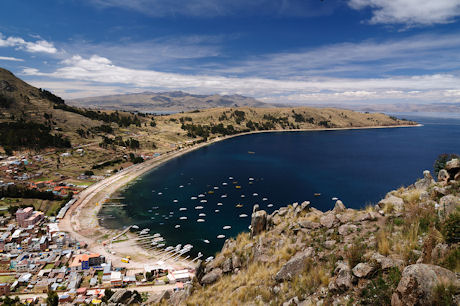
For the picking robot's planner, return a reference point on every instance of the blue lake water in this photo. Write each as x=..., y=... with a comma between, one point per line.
x=357, y=166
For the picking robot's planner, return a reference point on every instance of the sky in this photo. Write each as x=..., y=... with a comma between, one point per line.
x=278, y=51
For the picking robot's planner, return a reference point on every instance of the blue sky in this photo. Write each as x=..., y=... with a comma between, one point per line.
x=284, y=51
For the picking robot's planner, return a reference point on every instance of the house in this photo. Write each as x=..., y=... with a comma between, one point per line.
x=85, y=261
x=115, y=279
x=44, y=243
x=22, y=214
x=4, y=289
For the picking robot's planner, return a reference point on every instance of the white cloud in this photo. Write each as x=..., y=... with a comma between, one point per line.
x=101, y=71
x=410, y=12
x=42, y=46
x=13, y=59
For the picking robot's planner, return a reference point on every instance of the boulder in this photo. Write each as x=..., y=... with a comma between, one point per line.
x=328, y=220
x=120, y=296
x=425, y=182
x=329, y=244
x=347, y=229
x=418, y=282
x=227, y=265
x=448, y=204
x=366, y=216
x=255, y=208
x=396, y=202
x=386, y=262
x=258, y=222
x=362, y=270
x=305, y=205
x=236, y=261
x=345, y=217
x=294, y=266
x=211, y=277
x=339, y=207
x=282, y=211
x=443, y=175
x=344, y=279
x=453, y=164
x=309, y=224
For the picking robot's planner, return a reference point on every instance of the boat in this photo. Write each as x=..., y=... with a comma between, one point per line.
x=239, y=205
x=223, y=196
x=226, y=227
x=238, y=187
x=243, y=216
x=181, y=186
x=270, y=205
x=334, y=199
x=210, y=191
x=215, y=188
x=177, y=226
x=206, y=241
x=251, y=179
x=202, y=215
x=317, y=194
x=182, y=208
x=175, y=201
x=220, y=236
x=193, y=198
x=243, y=196
x=219, y=204
x=224, y=184
x=201, y=195
x=203, y=201
x=255, y=194
x=200, y=220
x=149, y=210
x=183, y=218
x=216, y=210
x=210, y=258
x=264, y=199
x=160, y=193
x=198, y=207
x=230, y=177
x=156, y=235
x=251, y=152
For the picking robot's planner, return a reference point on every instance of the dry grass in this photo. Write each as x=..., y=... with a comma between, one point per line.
x=383, y=243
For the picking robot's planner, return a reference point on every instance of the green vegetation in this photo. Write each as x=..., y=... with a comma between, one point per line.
x=379, y=290
x=52, y=299
x=5, y=101
x=7, y=301
x=45, y=94
x=107, y=163
x=16, y=191
x=443, y=295
x=451, y=228
x=355, y=253
x=19, y=134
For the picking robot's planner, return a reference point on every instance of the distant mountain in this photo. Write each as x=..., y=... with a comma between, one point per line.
x=396, y=107
x=175, y=101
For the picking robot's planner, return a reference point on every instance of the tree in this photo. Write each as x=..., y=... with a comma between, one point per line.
x=52, y=299
x=107, y=295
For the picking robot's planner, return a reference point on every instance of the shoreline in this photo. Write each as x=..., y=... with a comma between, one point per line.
x=81, y=220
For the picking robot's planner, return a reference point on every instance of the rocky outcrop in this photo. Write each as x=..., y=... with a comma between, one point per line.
x=258, y=222
x=339, y=207
x=125, y=297
x=309, y=224
x=425, y=182
x=362, y=270
x=347, y=229
x=328, y=220
x=395, y=202
x=443, y=175
x=343, y=280
x=294, y=266
x=418, y=282
x=211, y=277
x=448, y=204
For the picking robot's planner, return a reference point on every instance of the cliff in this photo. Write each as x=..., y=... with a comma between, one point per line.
x=402, y=251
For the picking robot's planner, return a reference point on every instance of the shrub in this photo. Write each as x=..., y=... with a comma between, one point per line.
x=379, y=290
x=452, y=260
x=443, y=295
x=451, y=228
x=355, y=254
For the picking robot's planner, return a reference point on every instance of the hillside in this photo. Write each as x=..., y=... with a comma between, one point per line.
x=405, y=250
x=176, y=101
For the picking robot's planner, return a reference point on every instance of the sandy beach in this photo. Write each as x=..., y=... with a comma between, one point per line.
x=81, y=220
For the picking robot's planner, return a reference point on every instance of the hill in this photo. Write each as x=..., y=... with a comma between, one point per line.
x=405, y=250
x=176, y=101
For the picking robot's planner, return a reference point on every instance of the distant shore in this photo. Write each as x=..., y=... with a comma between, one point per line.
x=81, y=220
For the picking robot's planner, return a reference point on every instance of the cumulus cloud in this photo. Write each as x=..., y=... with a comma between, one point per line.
x=13, y=59
x=410, y=12
x=101, y=70
x=19, y=43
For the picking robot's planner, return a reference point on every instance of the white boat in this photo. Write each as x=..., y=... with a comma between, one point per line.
x=183, y=218
x=270, y=205
x=219, y=204
x=215, y=188
x=175, y=201
x=224, y=184
x=198, y=207
x=177, y=226
x=193, y=198
x=230, y=177
x=206, y=241
x=243, y=216
x=210, y=258
x=201, y=195
x=182, y=208
x=264, y=199
x=216, y=210
x=149, y=210
x=251, y=179
x=156, y=235
x=202, y=215
x=200, y=220
x=255, y=194
x=203, y=201
x=334, y=199
x=223, y=196
x=160, y=193
x=220, y=236
x=226, y=227
x=181, y=186
x=243, y=196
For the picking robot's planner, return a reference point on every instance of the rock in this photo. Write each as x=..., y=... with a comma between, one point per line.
x=396, y=202
x=258, y=222
x=453, y=164
x=443, y=175
x=179, y=297
x=347, y=229
x=120, y=296
x=439, y=252
x=425, y=182
x=227, y=265
x=366, y=216
x=294, y=266
x=294, y=205
x=362, y=270
x=293, y=301
x=418, y=282
x=329, y=244
x=387, y=262
x=305, y=205
x=236, y=261
x=282, y=211
x=345, y=217
x=344, y=279
x=457, y=177
x=255, y=208
x=448, y=204
x=211, y=277
x=339, y=207
x=328, y=220
x=157, y=298
x=309, y=224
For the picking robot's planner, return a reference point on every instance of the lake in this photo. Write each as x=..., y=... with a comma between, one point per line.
x=275, y=169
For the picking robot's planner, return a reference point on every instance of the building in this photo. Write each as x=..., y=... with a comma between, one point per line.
x=22, y=214
x=115, y=279
x=86, y=261
x=4, y=289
